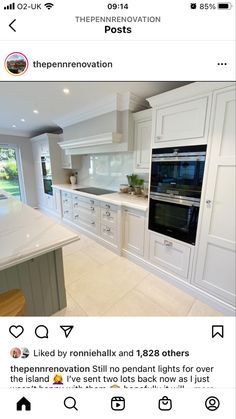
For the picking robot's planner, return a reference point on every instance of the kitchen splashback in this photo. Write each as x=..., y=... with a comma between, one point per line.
x=106, y=170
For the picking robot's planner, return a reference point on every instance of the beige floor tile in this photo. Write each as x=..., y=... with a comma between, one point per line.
x=99, y=253
x=100, y=288
x=170, y=298
x=82, y=243
x=76, y=264
x=72, y=309
x=201, y=309
x=136, y=304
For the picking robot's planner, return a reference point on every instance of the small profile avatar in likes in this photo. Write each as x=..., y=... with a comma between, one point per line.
x=15, y=352
x=16, y=64
x=19, y=353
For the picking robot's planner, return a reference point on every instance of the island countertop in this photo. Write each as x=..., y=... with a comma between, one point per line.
x=26, y=233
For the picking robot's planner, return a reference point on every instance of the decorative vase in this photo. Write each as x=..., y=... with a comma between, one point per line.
x=73, y=180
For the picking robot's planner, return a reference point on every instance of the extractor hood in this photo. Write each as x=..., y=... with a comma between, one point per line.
x=101, y=143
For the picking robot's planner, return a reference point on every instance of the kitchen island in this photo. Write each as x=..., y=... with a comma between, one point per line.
x=31, y=256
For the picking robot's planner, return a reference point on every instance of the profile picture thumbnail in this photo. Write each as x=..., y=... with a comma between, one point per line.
x=15, y=352
x=19, y=353
x=16, y=63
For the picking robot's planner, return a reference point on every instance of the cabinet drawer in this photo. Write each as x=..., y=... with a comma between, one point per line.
x=108, y=216
x=66, y=195
x=182, y=121
x=66, y=200
x=89, y=201
x=90, y=224
x=67, y=213
x=109, y=233
x=107, y=206
x=89, y=212
x=168, y=254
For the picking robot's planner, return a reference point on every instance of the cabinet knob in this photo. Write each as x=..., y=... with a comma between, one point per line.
x=208, y=202
x=92, y=208
x=108, y=213
x=107, y=206
x=167, y=243
x=93, y=223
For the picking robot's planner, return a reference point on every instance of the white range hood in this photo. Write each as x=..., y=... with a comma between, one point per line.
x=101, y=143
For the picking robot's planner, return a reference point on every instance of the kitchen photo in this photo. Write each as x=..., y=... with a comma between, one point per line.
x=117, y=198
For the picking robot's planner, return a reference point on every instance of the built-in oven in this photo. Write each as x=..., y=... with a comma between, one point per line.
x=175, y=191
x=47, y=174
x=173, y=217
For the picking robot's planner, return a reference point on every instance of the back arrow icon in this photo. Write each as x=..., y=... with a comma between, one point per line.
x=12, y=26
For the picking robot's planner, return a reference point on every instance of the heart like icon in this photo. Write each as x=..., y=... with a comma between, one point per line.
x=16, y=331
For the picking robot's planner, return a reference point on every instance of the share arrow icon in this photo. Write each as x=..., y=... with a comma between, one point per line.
x=67, y=330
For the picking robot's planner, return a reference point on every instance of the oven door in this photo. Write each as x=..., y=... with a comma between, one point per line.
x=180, y=176
x=174, y=218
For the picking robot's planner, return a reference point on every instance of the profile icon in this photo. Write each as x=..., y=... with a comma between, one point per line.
x=57, y=379
x=212, y=403
x=16, y=64
x=25, y=353
x=15, y=352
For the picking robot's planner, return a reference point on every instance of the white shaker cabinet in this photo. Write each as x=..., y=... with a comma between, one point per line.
x=215, y=265
x=182, y=123
x=134, y=225
x=171, y=255
x=142, y=140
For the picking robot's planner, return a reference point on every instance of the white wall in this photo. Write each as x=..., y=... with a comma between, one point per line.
x=25, y=148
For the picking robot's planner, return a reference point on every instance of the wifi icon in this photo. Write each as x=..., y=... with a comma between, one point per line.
x=49, y=5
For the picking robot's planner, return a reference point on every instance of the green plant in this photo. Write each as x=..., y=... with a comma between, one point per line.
x=134, y=181
x=11, y=170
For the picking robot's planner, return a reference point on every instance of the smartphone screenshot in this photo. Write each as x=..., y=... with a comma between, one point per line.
x=117, y=209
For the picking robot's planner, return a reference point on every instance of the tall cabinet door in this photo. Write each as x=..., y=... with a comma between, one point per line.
x=215, y=268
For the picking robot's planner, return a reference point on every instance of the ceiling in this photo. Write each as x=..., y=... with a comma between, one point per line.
x=19, y=100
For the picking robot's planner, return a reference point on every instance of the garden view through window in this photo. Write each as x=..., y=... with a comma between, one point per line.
x=9, y=176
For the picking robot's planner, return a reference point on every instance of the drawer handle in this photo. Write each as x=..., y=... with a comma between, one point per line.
x=92, y=208
x=77, y=216
x=108, y=213
x=106, y=230
x=167, y=243
x=107, y=206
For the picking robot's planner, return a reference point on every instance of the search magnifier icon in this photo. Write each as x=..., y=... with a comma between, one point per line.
x=70, y=403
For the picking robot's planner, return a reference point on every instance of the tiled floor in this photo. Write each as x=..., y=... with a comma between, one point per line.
x=100, y=283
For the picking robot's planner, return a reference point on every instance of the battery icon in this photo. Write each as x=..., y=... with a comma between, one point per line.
x=224, y=6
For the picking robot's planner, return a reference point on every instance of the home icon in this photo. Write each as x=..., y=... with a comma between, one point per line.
x=23, y=404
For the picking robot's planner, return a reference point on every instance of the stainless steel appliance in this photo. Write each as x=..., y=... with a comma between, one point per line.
x=47, y=174
x=175, y=192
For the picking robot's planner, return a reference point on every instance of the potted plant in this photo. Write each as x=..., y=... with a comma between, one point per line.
x=135, y=183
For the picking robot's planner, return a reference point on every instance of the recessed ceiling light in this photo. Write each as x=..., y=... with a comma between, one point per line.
x=35, y=111
x=22, y=120
x=66, y=91
x=13, y=126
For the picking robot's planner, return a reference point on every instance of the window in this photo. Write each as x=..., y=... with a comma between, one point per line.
x=10, y=173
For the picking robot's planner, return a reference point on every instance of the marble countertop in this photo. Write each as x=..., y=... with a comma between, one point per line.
x=26, y=233
x=117, y=198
